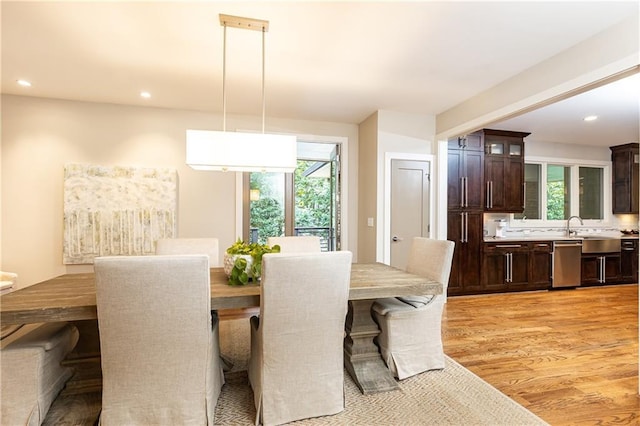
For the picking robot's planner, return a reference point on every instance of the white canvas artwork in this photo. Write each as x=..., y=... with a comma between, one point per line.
x=110, y=211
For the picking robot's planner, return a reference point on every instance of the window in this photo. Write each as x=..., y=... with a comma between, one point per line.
x=591, y=201
x=556, y=190
x=531, y=192
x=305, y=202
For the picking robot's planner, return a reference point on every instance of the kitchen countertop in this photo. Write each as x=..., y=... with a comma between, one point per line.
x=530, y=237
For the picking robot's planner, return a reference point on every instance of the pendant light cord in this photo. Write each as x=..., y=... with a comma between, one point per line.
x=224, y=74
x=224, y=79
x=263, y=91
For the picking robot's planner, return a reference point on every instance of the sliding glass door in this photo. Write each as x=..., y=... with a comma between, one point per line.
x=305, y=202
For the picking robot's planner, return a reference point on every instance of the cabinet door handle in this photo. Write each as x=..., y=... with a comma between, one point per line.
x=486, y=194
x=462, y=192
x=491, y=197
x=509, y=245
x=462, y=227
x=466, y=191
x=507, y=264
x=466, y=227
x=510, y=267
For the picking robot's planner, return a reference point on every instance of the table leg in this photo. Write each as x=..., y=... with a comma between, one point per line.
x=361, y=356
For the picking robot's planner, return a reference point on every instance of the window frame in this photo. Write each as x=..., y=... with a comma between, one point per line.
x=574, y=166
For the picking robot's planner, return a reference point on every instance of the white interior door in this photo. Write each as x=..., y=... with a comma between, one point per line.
x=410, y=187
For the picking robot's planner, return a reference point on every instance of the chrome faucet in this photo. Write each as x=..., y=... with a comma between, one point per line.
x=569, y=231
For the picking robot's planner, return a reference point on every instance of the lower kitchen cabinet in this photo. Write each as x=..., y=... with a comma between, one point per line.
x=516, y=266
x=600, y=269
x=540, y=271
x=629, y=261
x=505, y=267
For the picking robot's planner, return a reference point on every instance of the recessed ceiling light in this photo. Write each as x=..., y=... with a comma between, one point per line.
x=145, y=95
x=591, y=118
x=24, y=83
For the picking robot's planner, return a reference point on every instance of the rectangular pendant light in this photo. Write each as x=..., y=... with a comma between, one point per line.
x=241, y=152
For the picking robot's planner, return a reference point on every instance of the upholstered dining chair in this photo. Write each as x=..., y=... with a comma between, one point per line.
x=296, y=244
x=159, y=345
x=296, y=367
x=208, y=246
x=31, y=370
x=410, y=337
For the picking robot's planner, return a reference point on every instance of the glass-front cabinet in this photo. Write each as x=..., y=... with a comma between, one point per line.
x=504, y=171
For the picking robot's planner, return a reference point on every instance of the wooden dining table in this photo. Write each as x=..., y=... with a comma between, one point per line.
x=72, y=297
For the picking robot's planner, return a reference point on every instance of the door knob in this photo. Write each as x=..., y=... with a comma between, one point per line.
x=395, y=239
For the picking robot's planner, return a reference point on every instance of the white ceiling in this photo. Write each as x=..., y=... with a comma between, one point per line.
x=325, y=61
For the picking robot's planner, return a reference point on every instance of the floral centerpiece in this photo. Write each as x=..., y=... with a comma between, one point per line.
x=243, y=261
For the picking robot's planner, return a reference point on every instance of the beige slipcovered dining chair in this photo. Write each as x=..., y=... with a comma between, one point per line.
x=296, y=244
x=410, y=337
x=296, y=368
x=208, y=246
x=31, y=370
x=159, y=345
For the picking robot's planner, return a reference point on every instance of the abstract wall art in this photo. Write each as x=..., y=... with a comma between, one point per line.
x=110, y=211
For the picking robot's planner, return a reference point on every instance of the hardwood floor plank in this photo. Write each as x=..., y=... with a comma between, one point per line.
x=569, y=356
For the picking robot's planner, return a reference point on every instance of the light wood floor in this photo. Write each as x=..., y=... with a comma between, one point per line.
x=569, y=356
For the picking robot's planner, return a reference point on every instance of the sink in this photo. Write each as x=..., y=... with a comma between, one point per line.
x=593, y=244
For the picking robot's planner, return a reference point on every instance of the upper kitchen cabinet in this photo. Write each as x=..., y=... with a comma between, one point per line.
x=503, y=171
x=625, y=189
x=465, y=167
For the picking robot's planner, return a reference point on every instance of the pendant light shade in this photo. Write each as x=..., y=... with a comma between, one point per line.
x=236, y=151
x=241, y=152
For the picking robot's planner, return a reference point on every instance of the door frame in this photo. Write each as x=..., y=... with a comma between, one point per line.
x=385, y=238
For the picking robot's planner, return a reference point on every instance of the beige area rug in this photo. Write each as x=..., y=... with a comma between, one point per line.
x=453, y=396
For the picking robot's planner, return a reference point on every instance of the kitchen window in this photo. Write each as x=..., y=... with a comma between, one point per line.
x=556, y=190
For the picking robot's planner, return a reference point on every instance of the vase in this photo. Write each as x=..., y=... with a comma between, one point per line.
x=230, y=260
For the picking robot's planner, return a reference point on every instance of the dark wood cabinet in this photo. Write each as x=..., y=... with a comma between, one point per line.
x=503, y=171
x=465, y=229
x=629, y=261
x=505, y=266
x=499, y=154
x=540, y=271
x=464, y=168
x=516, y=266
x=624, y=159
x=465, y=224
x=599, y=269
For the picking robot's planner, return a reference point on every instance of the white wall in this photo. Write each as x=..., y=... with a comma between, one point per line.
x=387, y=132
x=562, y=150
x=40, y=136
x=614, y=51
x=368, y=188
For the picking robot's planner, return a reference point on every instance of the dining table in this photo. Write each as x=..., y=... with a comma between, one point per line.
x=72, y=297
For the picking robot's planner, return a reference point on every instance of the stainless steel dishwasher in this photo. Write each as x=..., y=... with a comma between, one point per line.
x=566, y=263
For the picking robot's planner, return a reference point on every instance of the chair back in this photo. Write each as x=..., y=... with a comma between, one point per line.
x=432, y=259
x=156, y=339
x=303, y=307
x=296, y=244
x=208, y=246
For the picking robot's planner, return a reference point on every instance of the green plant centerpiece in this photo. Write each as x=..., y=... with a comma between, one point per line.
x=243, y=261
